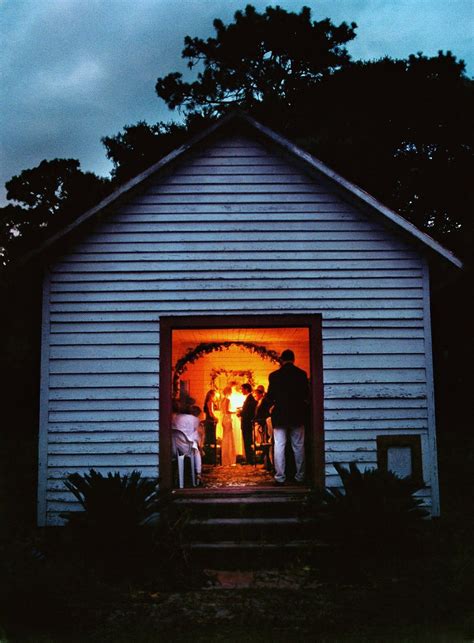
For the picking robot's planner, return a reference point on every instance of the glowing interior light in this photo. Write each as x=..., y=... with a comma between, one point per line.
x=236, y=400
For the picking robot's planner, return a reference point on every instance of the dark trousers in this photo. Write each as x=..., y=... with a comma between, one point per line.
x=209, y=432
x=210, y=443
x=247, y=440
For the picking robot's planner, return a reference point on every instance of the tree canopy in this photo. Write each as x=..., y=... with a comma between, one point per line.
x=401, y=129
x=272, y=56
x=139, y=146
x=45, y=198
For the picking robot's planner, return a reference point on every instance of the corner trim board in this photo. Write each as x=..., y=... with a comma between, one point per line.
x=430, y=397
x=44, y=404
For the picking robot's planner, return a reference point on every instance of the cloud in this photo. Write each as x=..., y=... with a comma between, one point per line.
x=76, y=70
x=76, y=78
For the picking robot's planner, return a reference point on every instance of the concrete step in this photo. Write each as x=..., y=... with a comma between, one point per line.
x=242, y=504
x=248, y=545
x=270, y=529
x=245, y=526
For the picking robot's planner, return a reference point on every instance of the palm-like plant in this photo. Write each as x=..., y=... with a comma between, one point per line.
x=124, y=526
x=376, y=508
x=112, y=503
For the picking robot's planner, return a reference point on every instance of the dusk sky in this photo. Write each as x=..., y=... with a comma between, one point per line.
x=76, y=70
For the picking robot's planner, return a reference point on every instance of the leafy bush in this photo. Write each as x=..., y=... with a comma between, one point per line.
x=115, y=508
x=112, y=499
x=377, y=509
x=126, y=529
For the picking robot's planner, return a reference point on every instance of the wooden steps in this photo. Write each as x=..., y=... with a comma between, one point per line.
x=245, y=527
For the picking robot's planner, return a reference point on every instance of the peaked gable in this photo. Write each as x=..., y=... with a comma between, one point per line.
x=253, y=128
x=233, y=227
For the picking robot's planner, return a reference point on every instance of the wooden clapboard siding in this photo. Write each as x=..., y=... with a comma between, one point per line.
x=233, y=228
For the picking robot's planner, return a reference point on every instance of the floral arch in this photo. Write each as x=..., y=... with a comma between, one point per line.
x=193, y=354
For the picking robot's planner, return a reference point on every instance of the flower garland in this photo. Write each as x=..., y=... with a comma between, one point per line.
x=204, y=348
x=247, y=376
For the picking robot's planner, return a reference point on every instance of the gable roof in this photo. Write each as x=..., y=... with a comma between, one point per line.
x=311, y=164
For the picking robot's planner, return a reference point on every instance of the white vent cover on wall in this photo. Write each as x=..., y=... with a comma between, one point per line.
x=399, y=461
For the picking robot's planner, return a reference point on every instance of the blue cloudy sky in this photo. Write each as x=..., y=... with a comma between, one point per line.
x=75, y=70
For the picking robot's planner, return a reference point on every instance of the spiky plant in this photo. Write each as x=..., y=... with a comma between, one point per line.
x=114, y=499
x=109, y=528
x=375, y=508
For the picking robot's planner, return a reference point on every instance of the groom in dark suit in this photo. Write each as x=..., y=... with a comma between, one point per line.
x=246, y=421
x=288, y=391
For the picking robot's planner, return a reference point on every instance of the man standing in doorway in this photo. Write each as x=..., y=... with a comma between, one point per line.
x=246, y=421
x=288, y=391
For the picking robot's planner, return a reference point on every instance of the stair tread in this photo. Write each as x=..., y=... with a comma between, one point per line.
x=249, y=521
x=249, y=492
x=251, y=544
x=238, y=500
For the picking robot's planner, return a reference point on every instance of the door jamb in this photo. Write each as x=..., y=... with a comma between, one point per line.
x=311, y=321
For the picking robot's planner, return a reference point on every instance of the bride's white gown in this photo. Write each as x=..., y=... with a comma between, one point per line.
x=228, y=452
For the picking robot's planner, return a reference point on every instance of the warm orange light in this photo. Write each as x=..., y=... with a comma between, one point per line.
x=236, y=400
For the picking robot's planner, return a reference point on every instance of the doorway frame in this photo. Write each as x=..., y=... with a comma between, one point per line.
x=312, y=321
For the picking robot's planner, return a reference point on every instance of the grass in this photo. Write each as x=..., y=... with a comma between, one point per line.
x=49, y=595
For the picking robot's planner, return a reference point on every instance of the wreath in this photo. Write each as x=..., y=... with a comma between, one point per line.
x=247, y=376
x=204, y=348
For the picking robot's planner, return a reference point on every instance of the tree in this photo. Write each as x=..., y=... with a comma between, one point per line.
x=272, y=56
x=48, y=187
x=45, y=198
x=401, y=129
x=139, y=146
x=406, y=137
x=13, y=220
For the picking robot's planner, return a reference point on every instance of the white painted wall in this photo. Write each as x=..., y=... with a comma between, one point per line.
x=233, y=229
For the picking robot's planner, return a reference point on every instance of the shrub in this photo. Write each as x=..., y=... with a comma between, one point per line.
x=376, y=510
x=127, y=500
x=115, y=508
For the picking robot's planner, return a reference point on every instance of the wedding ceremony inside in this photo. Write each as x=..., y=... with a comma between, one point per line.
x=220, y=381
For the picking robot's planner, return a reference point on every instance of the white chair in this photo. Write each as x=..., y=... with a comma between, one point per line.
x=183, y=448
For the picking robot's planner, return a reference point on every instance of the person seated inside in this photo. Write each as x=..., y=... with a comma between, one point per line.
x=196, y=411
x=186, y=419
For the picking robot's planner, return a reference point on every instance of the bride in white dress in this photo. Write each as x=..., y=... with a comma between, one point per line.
x=228, y=444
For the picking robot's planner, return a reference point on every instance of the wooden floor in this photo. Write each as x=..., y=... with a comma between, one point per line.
x=239, y=475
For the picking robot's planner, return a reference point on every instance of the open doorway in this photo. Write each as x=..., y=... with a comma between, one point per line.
x=200, y=354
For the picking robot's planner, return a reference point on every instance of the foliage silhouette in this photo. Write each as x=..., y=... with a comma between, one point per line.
x=259, y=57
x=376, y=510
x=401, y=129
x=115, y=498
x=115, y=508
x=127, y=527
x=46, y=187
x=47, y=197
x=139, y=146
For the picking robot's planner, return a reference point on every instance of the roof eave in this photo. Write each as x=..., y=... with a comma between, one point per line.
x=121, y=192
x=307, y=159
x=356, y=191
